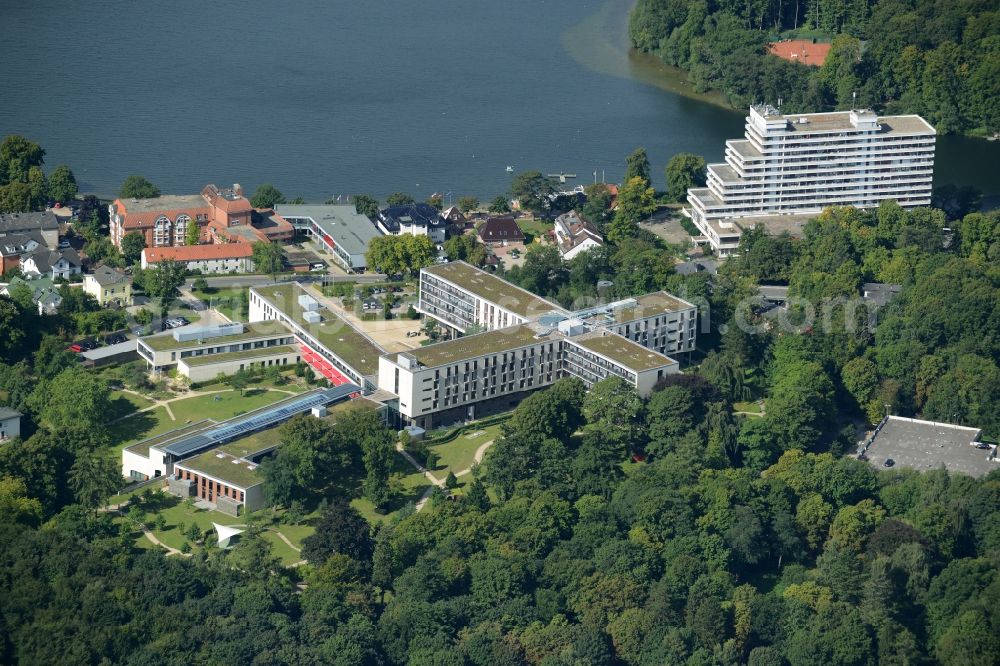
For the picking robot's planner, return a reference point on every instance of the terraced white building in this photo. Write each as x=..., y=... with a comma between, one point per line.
x=800, y=164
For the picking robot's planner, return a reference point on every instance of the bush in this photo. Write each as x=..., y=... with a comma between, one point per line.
x=431, y=459
x=412, y=313
x=688, y=226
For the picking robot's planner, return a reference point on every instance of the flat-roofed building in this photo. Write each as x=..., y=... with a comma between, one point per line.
x=476, y=375
x=340, y=230
x=461, y=296
x=157, y=455
x=658, y=321
x=215, y=349
x=228, y=476
x=925, y=445
x=597, y=355
x=801, y=164
x=327, y=340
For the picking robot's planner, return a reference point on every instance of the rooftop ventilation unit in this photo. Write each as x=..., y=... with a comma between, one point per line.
x=308, y=303
x=312, y=316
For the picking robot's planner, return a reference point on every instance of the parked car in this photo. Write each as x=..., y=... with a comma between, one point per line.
x=318, y=266
x=982, y=445
x=889, y=462
x=115, y=339
x=75, y=348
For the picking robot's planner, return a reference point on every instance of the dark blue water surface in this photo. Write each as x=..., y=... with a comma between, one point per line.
x=326, y=97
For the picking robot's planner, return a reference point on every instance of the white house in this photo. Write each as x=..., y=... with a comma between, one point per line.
x=52, y=264
x=575, y=235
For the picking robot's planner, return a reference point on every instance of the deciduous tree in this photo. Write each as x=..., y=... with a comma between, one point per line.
x=137, y=187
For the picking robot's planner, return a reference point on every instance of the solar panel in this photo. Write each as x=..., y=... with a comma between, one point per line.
x=259, y=421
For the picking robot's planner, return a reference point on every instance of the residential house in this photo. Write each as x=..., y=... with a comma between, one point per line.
x=45, y=223
x=222, y=258
x=43, y=293
x=575, y=234
x=15, y=246
x=501, y=230
x=109, y=286
x=415, y=219
x=53, y=264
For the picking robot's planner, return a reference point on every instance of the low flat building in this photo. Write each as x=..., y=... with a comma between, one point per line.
x=329, y=344
x=156, y=456
x=879, y=293
x=927, y=445
x=10, y=423
x=417, y=219
x=109, y=286
x=217, y=258
x=208, y=367
x=202, y=350
x=340, y=230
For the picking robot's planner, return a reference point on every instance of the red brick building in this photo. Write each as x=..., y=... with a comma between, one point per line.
x=222, y=215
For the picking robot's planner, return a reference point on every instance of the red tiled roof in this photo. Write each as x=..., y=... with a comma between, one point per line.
x=140, y=219
x=198, y=252
x=801, y=50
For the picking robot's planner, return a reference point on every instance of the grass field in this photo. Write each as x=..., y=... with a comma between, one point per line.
x=458, y=454
x=534, y=228
x=156, y=421
x=749, y=407
x=141, y=426
x=123, y=404
x=222, y=406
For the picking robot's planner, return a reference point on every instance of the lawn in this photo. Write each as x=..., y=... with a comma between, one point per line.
x=748, y=407
x=411, y=483
x=222, y=406
x=226, y=301
x=458, y=454
x=534, y=228
x=124, y=404
x=140, y=426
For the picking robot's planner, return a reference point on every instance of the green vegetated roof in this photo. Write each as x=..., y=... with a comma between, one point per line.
x=493, y=289
x=625, y=352
x=251, y=445
x=250, y=354
x=650, y=305
x=332, y=332
x=254, y=331
x=224, y=467
x=481, y=344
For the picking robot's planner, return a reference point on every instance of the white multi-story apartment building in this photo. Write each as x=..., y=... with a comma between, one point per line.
x=472, y=376
x=462, y=296
x=801, y=164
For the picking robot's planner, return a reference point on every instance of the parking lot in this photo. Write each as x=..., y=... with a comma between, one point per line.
x=924, y=445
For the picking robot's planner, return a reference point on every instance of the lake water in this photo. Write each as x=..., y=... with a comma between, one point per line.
x=327, y=97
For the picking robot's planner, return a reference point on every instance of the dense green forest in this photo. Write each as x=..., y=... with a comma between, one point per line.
x=740, y=539
x=937, y=58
